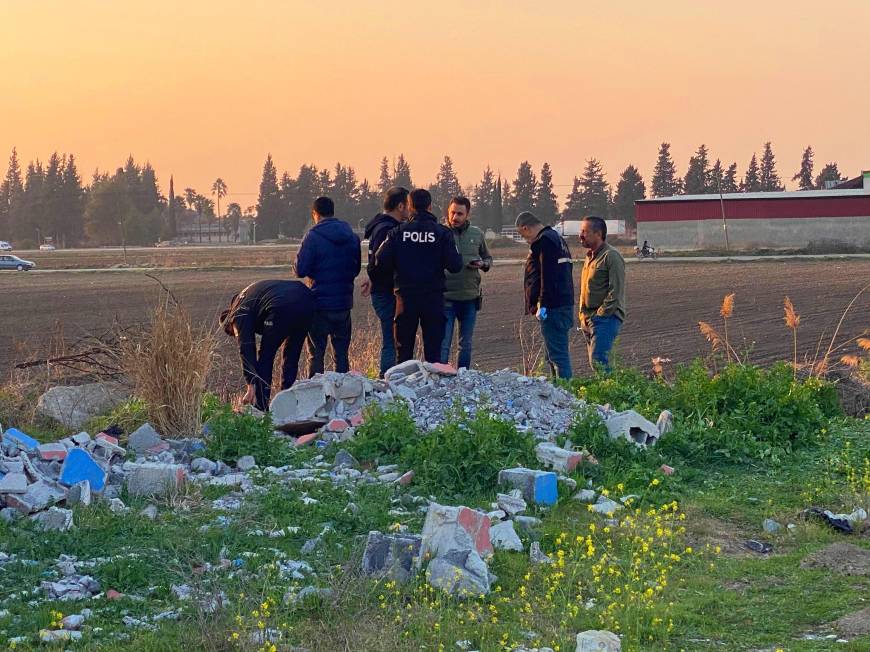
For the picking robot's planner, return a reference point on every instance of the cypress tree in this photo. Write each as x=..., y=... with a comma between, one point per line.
x=546, y=208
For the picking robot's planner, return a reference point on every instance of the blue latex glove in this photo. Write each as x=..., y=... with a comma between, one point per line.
x=541, y=314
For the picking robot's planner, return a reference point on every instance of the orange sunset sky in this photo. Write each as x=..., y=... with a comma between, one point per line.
x=206, y=89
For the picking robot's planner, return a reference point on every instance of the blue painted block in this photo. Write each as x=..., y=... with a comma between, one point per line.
x=539, y=487
x=546, y=488
x=22, y=440
x=78, y=466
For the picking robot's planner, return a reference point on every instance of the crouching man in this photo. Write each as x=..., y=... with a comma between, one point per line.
x=280, y=312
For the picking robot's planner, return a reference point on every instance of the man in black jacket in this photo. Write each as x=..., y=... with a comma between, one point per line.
x=416, y=254
x=281, y=313
x=549, y=289
x=379, y=284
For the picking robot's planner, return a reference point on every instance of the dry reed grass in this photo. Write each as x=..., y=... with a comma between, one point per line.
x=168, y=363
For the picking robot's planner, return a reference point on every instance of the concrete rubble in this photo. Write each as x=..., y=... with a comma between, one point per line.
x=598, y=641
x=72, y=406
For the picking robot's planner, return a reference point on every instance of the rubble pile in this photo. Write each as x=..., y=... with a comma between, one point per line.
x=329, y=407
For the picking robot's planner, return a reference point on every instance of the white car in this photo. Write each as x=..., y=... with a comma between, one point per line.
x=5, y=246
x=47, y=247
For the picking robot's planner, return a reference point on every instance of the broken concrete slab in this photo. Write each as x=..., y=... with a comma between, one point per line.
x=598, y=641
x=633, y=427
x=558, y=459
x=454, y=528
x=13, y=483
x=38, y=496
x=80, y=466
x=21, y=440
x=665, y=422
x=539, y=487
x=510, y=503
x=504, y=537
x=302, y=403
x=391, y=555
x=155, y=479
x=461, y=573
x=54, y=519
x=246, y=463
x=55, y=451
x=72, y=406
x=143, y=438
x=79, y=494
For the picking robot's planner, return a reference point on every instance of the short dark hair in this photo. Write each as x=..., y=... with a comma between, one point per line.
x=526, y=218
x=395, y=196
x=598, y=224
x=324, y=207
x=421, y=200
x=462, y=201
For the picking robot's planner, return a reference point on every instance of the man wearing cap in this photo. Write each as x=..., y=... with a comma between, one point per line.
x=280, y=312
x=549, y=289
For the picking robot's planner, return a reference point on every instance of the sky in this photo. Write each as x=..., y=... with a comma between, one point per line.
x=206, y=89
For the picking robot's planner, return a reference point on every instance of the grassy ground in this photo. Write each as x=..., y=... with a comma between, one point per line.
x=718, y=596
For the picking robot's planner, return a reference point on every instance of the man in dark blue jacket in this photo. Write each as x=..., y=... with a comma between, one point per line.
x=281, y=313
x=549, y=289
x=329, y=256
x=416, y=254
x=378, y=283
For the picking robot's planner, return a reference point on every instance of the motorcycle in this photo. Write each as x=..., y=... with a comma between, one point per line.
x=645, y=252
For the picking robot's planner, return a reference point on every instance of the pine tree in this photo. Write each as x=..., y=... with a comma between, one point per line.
x=715, y=178
x=11, y=190
x=525, y=187
x=345, y=193
x=665, y=182
x=484, y=199
x=729, y=181
x=629, y=189
x=385, y=182
x=751, y=181
x=446, y=187
x=170, y=224
x=698, y=173
x=829, y=173
x=574, y=202
x=51, y=199
x=546, y=208
x=370, y=201
x=507, y=202
x=402, y=173
x=73, y=202
x=324, y=182
x=498, y=206
x=804, y=176
x=268, y=202
x=769, y=178
x=594, y=190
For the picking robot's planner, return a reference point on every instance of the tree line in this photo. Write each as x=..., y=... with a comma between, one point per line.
x=50, y=201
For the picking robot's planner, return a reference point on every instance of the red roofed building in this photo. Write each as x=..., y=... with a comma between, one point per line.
x=759, y=220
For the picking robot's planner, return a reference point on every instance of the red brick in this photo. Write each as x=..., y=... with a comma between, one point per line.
x=304, y=440
x=667, y=470
x=108, y=438
x=112, y=594
x=406, y=478
x=444, y=369
x=357, y=419
x=337, y=425
x=477, y=525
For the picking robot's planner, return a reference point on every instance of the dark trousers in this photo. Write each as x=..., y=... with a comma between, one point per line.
x=334, y=326
x=385, y=308
x=278, y=332
x=425, y=311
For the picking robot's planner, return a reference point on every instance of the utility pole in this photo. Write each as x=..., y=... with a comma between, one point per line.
x=724, y=221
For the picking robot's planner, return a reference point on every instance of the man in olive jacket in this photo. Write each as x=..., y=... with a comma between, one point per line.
x=602, y=292
x=462, y=299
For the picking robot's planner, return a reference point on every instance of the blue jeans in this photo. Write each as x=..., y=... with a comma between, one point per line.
x=600, y=333
x=555, y=329
x=466, y=313
x=385, y=309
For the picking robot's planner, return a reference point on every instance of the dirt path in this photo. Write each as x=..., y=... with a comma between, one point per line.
x=665, y=303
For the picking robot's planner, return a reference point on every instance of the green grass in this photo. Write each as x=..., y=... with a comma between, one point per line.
x=733, y=600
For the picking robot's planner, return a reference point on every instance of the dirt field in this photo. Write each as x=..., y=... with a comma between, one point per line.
x=665, y=302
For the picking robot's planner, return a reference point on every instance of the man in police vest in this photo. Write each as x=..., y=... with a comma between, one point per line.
x=416, y=253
